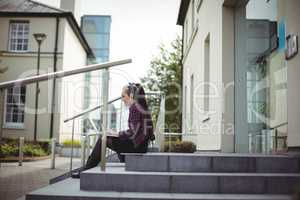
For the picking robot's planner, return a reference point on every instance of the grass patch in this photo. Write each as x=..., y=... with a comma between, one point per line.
x=68, y=143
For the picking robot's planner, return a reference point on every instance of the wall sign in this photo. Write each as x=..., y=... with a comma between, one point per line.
x=282, y=36
x=291, y=46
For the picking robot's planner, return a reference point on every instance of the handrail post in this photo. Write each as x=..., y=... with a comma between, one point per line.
x=53, y=144
x=121, y=110
x=276, y=139
x=88, y=149
x=105, y=88
x=21, y=154
x=83, y=149
x=2, y=111
x=72, y=145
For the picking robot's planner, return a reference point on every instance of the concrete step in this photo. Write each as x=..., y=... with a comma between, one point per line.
x=212, y=162
x=118, y=179
x=69, y=190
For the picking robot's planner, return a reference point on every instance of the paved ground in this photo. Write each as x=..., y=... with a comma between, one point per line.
x=16, y=181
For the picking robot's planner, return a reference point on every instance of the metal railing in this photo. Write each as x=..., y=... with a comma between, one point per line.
x=60, y=74
x=90, y=110
x=85, y=145
x=267, y=140
x=86, y=137
x=284, y=138
x=160, y=126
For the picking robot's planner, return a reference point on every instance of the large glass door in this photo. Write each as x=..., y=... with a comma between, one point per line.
x=256, y=33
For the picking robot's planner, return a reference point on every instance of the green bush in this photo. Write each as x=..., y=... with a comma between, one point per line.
x=10, y=147
x=9, y=150
x=33, y=150
x=68, y=143
x=45, y=145
x=180, y=147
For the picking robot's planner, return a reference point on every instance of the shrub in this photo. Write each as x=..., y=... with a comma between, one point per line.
x=68, y=143
x=10, y=147
x=45, y=145
x=33, y=150
x=180, y=147
x=9, y=150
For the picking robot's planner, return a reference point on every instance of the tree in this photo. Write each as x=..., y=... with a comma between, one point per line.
x=165, y=75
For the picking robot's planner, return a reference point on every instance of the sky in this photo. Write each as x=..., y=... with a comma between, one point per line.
x=137, y=29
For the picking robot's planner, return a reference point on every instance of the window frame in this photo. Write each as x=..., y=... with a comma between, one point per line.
x=198, y=5
x=186, y=34
x=14, y=125
x=23, y=37
x=193, y=16
x=192, y=85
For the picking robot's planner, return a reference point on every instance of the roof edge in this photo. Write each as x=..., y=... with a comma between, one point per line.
x=68, y=15
x=184, y=5
x=51, y=7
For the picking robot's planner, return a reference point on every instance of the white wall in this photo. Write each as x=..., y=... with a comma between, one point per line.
x=73, y=86
x=210, y=23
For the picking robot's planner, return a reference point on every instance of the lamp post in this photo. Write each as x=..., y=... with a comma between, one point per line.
x=39, y=37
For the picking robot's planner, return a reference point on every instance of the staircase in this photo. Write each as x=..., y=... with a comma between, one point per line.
x=210, y=176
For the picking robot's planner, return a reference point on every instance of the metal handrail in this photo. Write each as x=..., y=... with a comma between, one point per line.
x=63, y=73
x=90, y=110
x=100, y=106
x=59, y=74
x=280, y=125
x=276, y=133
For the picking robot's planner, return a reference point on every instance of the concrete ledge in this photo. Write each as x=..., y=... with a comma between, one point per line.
x=69, y=190
x=165, y=182
x=212, y=162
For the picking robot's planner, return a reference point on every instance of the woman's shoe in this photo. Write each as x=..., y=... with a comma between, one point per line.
x=75, y=175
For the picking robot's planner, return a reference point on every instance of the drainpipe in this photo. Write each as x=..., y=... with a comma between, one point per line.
x=181, y=65
x=54, y=79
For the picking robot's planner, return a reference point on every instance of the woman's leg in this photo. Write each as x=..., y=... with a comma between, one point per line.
x=95, y=157
x=122, y=146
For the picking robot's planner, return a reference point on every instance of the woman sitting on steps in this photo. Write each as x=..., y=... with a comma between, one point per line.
x=140, y=129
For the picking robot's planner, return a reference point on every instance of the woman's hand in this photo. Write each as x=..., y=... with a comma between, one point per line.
x=112, y=133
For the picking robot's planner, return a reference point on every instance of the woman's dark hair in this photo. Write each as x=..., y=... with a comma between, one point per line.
x=141, y=97
x=137, y=91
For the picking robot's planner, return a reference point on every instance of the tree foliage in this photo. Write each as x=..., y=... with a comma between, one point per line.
x=165, y=76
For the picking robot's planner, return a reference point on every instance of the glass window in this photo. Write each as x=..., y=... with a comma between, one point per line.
x=97, y=40
x=101, y=52
x=96, y=24
x=18, y=36
x=14, y=108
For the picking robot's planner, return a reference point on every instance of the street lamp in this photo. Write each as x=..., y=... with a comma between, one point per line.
x=39, y=37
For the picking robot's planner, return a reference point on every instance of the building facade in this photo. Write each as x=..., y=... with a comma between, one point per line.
x=64, y=48
x=239, y=85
